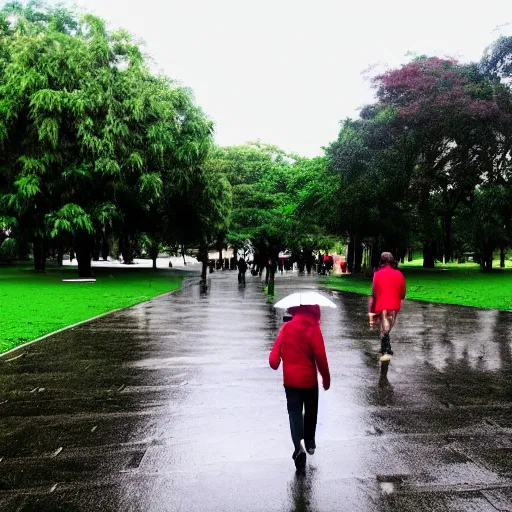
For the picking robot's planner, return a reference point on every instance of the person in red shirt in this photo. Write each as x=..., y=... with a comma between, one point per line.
x=388, y=291
x=328, y=263
x=300, y=346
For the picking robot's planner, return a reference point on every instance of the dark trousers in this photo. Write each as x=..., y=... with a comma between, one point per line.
x=302, y=426
x=241, y=276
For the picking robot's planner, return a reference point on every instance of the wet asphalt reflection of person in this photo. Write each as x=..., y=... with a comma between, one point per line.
x=301, y=490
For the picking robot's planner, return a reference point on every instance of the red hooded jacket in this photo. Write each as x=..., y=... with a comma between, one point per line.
x=301, y=347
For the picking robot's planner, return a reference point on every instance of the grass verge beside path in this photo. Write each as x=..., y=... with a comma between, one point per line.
x=32, y=305
x=454, y=284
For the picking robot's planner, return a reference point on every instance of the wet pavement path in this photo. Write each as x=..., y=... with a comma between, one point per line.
x=171, y=406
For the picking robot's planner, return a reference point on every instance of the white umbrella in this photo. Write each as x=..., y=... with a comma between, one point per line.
x=304, y=299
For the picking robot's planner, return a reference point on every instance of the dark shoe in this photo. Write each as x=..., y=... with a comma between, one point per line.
x=311, y=447
x=296, y=452
x=300, y=462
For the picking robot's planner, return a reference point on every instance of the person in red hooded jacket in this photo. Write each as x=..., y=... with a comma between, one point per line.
x=388, y=291
x=300, y=346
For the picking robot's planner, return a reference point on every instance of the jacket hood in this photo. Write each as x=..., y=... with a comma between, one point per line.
x=306, y=310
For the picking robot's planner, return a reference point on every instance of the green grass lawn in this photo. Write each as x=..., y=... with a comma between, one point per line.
x=449, y=284
x=417, y=262
x=32, y=305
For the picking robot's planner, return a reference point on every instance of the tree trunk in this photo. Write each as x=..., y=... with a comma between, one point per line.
x=96, y=249
x=428, y=255
x=234, y=260
x=502, y=257
x=37, y=252
x=127, y=250
x=438, y=248
x=486, y=263
x=271, y=280
x=104, y=249
x=358, y=255
x=40, y=250
x=221, y=262
x=490, y=258
x=60, y=253
x=183, y=255
x=350, y=254
x=203, y=258
x=153, y=253
x=409, y=255
x=448, y=237
x=45, y=253
x=204, y=270
x=308, y=259
x=83, y=256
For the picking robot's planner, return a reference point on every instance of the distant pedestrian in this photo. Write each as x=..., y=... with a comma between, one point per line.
x=388, y=291
x=301, y=263
x=320, y=263
x=300, y=346
x=328, y=263
x=242, y=269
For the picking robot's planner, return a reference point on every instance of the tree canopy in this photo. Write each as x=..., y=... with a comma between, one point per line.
x=102, y=156
x=93, y=143
x=431, y=148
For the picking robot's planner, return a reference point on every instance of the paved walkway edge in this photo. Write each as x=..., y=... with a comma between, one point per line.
x=10, y=351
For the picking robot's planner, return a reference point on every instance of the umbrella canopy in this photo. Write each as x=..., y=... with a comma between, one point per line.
x=304, y=299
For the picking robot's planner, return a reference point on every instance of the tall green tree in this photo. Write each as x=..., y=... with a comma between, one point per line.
x=195, y=218
x=453, y=111
x=90, y=136
x=373, y=158
x=280, y=201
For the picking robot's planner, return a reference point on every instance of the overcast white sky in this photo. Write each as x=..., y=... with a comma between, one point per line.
x=287, y=71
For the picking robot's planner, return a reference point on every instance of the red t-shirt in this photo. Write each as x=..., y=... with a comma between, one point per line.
x=388, y=290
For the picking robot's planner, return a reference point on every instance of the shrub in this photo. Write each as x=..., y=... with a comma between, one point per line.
x=9, y=250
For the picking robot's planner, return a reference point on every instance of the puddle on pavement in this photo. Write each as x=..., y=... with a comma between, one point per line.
x=387, y=487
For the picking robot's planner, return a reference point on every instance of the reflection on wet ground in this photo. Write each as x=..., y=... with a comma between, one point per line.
x=170, y=405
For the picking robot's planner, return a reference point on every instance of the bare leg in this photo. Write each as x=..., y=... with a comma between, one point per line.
x=387, y=323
